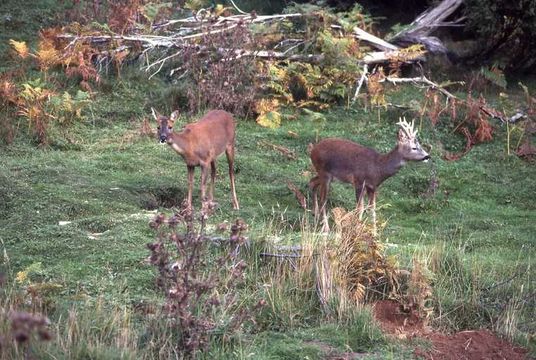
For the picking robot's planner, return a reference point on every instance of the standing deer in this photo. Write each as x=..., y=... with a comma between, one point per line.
x=360, y=166
x=200, y=144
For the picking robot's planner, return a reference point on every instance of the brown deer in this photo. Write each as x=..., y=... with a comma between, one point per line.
x=200, y=144
x=360, y=166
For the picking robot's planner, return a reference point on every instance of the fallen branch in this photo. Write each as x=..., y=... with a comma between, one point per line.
x=195, y=27
x=422, y=79
x=374, y=40
x=292, y=252
x=298, y=194
x=380, y=57
x=293, y=256
x=360, y=83
x=418, y=32
x=289, y=154
x=430, y=20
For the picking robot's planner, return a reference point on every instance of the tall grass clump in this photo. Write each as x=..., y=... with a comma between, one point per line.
x=288, y=285
x=23, y=328
x=88, y=330
x=95, y=330
x=456, y=289
x=466, y=296
x=326, y=281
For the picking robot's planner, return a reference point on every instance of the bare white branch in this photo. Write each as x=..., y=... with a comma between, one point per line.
x=361, y=81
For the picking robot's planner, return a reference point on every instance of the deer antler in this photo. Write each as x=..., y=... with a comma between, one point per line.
x=408, y=128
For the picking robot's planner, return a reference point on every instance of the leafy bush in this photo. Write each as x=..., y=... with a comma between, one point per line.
x=506, y=29
x=37, y=101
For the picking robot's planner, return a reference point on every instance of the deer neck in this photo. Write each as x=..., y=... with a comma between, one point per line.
x=178, y=143
x=390, y=163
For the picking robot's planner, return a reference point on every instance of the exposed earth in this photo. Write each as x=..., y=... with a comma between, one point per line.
x=464, y=345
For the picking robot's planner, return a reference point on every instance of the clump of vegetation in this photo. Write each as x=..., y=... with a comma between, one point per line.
x=218, y=77
x=200, y=292
x=21, y=330
x=465, y=301
x=505, y=30
x=38, y=101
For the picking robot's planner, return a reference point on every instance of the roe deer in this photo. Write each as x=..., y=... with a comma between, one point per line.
x=360, y=166
x=200, y=144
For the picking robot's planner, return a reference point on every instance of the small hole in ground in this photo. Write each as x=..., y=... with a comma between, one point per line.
x=161, y=198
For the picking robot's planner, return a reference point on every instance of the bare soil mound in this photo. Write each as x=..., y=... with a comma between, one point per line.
x=393, y=320
x=464, y=345
x=471, y=345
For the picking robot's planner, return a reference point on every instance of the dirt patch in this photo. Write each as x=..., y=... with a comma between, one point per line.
x=168, y=198
x=395, y=321
x=464, y=345
x=471, y=345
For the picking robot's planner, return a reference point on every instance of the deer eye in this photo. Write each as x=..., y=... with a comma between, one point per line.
x=158, y=127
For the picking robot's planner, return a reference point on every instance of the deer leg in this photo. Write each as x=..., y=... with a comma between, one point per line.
x=359, y=198
x=372, y=204
x=204, y=175
x=229, y=152
x=313, y=186
x=212, y=179
x=324, y=190
x=190, y=186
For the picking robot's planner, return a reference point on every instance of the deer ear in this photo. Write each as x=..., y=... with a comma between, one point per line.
x=155, y=114
x=401, y=136
x=174, y=115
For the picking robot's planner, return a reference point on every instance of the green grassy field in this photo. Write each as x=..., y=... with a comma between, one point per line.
x=77, y=213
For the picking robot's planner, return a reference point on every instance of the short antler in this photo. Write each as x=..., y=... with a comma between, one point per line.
x=155, y=113
x=408, y=128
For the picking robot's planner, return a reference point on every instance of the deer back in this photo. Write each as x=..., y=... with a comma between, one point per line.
x=346, y=161
x=205, y=139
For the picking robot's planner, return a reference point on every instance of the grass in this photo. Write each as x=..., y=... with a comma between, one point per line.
x=82, y=211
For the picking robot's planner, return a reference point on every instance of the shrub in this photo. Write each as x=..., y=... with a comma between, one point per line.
x=506, y=30
x=200, y=290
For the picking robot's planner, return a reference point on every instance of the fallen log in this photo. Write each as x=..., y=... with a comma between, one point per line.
x=418, y=32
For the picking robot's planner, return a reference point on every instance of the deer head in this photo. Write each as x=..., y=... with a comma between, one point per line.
x=408, y=144
x=165, y=124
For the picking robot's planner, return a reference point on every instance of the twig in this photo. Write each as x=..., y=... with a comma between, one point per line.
x=505, y=281
x=289, y=154
x=423, y=79
x=210, y=32
x=237, y=9
x=360, y=83
x=298, y=194
x=293, y=256
x=163, y=60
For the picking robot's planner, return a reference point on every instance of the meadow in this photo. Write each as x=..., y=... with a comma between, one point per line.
x=75, y=215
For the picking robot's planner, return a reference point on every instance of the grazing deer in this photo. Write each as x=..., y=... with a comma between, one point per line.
x=360, y=166
x=200, y=144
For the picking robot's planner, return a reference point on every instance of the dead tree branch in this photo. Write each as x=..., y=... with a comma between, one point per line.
x=418, y=32
x=423, y=79
x=430, y=20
